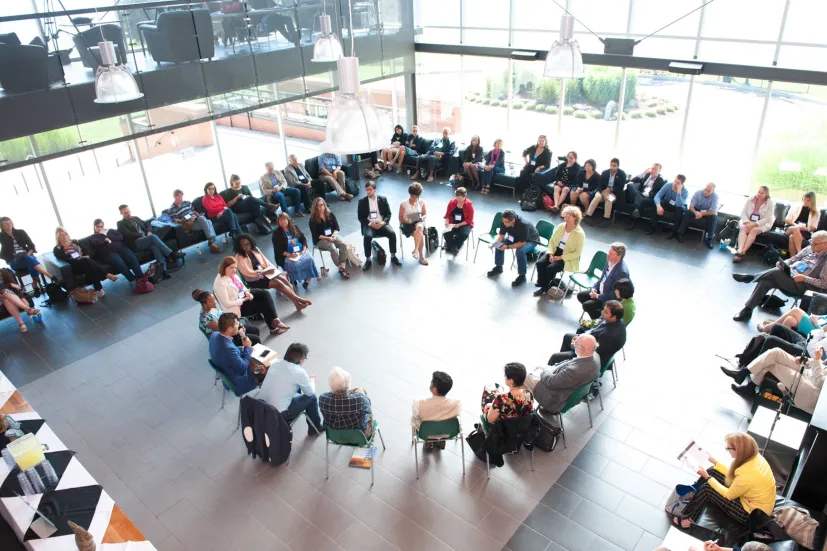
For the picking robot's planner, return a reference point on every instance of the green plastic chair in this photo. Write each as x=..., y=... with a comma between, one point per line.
x=489, y=237
x=579, y=395
x=589, y=277
x=226, y=382
x=437, y=431
x=353, y=438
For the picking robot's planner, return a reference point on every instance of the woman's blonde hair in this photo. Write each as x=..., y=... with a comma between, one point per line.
x=314, y=212
x=58, y=231
x=574, y=212
x=745, y=449
x=813, y=205
x=228, y=261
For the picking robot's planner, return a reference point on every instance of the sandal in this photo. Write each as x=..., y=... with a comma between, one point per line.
x=423, y=261
x=683, y=523
x=737, y=257
x=23, y=328
x=344, y=273
x=101, y=293
x=33, y=311
x=279, y=331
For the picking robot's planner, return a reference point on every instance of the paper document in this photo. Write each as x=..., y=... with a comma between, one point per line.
x=676, y=540
x=693, y=456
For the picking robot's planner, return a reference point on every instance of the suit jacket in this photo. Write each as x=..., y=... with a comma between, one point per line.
x=233, y=361
x=618, y=185
x=557, y=384
x=621, y=271
x=292, y=175
x=129, y=235
x=7, y=243
x=638, y=182
x=363, y=210
x=266, y=185
x=280, y=244
x=610, y=337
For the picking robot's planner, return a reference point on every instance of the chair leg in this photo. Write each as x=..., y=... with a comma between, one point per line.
x=589, y=409
x=462, y=450
x=223, y=395
x=624, y=353
x=326, y=458
x=532, y=458
x=562, y=430
x=372, y=467
x=476, y=252
x=599, y=395
x=416, y=460
x=238, y=424
x=487, y=466
x=381, y=439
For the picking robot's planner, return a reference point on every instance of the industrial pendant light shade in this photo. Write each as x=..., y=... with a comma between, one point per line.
x=564, y=59
x=113, y=83
x=328, y=47
x=353, y=126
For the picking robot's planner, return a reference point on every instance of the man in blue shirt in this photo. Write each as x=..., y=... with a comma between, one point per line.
x=288, y=388
x=672, y=200
x=703, y=208
x=330, y=170
x=233, y=361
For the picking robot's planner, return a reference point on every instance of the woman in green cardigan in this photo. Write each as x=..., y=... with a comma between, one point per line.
x=564, y=249
x=625, y=291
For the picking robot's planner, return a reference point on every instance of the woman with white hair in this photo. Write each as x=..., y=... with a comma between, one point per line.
x=344, y=407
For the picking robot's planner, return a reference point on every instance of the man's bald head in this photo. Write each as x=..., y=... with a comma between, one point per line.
x=586, y=345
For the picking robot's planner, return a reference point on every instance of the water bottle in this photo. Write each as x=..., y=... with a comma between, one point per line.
x=8, y=458
x=37, y=318
x=49, y=471
x=198, y=250
x=451, y=180
x=724, y=244
x=37, y=482
x=25, y=485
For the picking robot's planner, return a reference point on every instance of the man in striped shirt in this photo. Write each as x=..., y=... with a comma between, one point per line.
x=182, y=213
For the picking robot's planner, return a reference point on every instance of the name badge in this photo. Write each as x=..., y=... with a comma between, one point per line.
x=458, y=217
x=533, y=163
x=800, y=267
x=74, y=254
x=585, y=185
x=672, y=202
x=240, y=294
x=509, y=238
x=302, y=179
x=187, y=217
x=374, y=215
x=754, y=217
x=328, y=231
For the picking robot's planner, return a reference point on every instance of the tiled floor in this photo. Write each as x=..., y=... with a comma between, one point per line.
x=126, y=384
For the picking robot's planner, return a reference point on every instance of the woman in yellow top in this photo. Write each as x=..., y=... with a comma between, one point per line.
x=746, y=485
x=564, y=249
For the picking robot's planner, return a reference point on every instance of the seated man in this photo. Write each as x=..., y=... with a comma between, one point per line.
x=703, y=208
x=615, y=269
x=436, y=407
x=240, y=200
x=288, y=389
x=182, y=213
x=612, y=183
x=552, y=387
x=330, y=171
x=138, y=236
x=806, y=273
x=374, y=215
x=297, y=177
x=426, y=164
x=785, y=368
x=273, y=186
x=670, y=199
x=343, y=407
x=513, y=235
x=642, y=192
x=610, y=334
x=232, y=360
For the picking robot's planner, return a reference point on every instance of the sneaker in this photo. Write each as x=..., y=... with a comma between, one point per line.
x=519, y=281
x=497, y=270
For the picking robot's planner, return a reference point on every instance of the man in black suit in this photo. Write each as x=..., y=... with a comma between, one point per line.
x=138, y=236
x=612, y=183
x=642, y=193
x=375, y=215
x=610, y=334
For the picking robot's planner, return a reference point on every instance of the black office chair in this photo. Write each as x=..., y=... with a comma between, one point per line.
x=86, y=43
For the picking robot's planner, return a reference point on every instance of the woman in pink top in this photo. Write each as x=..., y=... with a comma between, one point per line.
x=217, y=210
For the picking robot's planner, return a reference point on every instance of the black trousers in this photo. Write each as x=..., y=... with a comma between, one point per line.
x=548, y=270
x=252, y=333
x=788, y=340
x=591, y=306
x=566, y=353
x=670, y=214
x=457, y=236
x=525, y=179
x=369, y=234
x=90, y=270
x=263, y=304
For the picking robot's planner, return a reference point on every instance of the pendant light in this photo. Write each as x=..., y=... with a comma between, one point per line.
x=564, y=59
x=353, y=126
x=113, y=83
x=328, y=47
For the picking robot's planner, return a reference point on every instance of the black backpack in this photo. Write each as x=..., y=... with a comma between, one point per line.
x=530, y=199
x=772, y=255
x=547, y=436
x=55, y=293
x=352, y=186
x=379, y=252
x=433, y=239
x=263, y=225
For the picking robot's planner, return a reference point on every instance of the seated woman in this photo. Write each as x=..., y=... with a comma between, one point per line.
x=12, y=298
x=69, y=251
x=565, y=180
x=537, y=157
x=624, y=291
x=234, y=297
x=110, y=247
x=217, y=209
x=389, y=153
x=19, y=252
x=259, y=273
x=240, y=200
x=292, y=254
x=211, y=311
x=459, y=221
x=588, y=180
x=494, y=164
x=498, y=403
x=802, y=221
x=564, y=250
x=747, y=484
x=472, y=162
x=324, y=231
x=412, y=213
x=796, y=319
x=344, y=407
x=757, y=217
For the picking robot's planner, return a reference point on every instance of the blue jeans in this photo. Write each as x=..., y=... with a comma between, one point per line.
x=159, y=250
x=24, y=262
x=230, y=219
x=487, y=177
x=126, y=263
x=302, y=403
x=205, y=225
x=499, y=258
x=293, y=193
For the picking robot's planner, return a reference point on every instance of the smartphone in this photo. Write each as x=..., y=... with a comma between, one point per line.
x=263, y=353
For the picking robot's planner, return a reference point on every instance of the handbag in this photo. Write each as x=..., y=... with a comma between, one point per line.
x=83, y=296
x=143, y=286
x=679, y=499
x=353, y=257
x=476, y=441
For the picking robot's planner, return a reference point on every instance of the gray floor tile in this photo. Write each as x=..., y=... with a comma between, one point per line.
x=562, y=500
x=462, y=536
x=167, y=461
x=590, y=462
x=498, y=525
x=313, y=539
x=526, y=539
x=648, y=542
x=607, y=525
x=651, y=519
x=635, y=484
x=591, y=488
x=326, y=515
x=155, y=492
x=617, y=451
x=231, y=518
x=278, y=518
x=359, y=537
x=126, y=463
x=559, y=529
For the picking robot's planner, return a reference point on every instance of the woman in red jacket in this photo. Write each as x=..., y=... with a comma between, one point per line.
x=459, y=221
x=217, y=209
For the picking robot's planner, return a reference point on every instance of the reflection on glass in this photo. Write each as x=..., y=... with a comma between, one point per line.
x=26, y=201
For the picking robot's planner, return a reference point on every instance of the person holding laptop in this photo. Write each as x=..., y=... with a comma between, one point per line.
x=412, y=213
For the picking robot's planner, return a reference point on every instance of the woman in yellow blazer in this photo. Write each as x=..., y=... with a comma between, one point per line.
x=564, y=249
x=747, y=484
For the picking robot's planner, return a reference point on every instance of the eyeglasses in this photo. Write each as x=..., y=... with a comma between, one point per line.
x=730, y=449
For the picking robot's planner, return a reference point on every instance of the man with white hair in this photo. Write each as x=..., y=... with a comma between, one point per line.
x=552, y=387
x=289, y=389
x=297, y=177
x=274, y=188
x=344, y=407
x=806, y=271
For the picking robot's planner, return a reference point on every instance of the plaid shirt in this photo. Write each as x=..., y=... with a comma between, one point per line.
x=345, y=411
x=180, y=212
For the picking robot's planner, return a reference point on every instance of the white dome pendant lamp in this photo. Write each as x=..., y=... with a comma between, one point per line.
x=113, y=83
x=564, y=59
x=328, y=47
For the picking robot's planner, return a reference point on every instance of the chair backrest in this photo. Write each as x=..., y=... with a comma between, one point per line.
x=311, y=165
x=347, y=437
x=597, y=263
x=545, y=229
x=198, y=204
x=224, y=379
x=439, y=430
x=607, y=364
x=496, y=223
x=577, y=396
x=90, y=38
x=23, y=68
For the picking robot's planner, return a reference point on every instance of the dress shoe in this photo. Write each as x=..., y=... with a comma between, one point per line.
x=214, y=248
x=366, y=266
x=670, y=236
x=636, y=214
x=605, y=223
x=743, y=315
x=497, y=270
x=539, y=292
x=680, y=238
x=708, y=243
x=738, y=375
x=743, y=278
x=395, y=261
x=166, y=275
x=519, y=281
x=177, y=254
x=745, y=391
